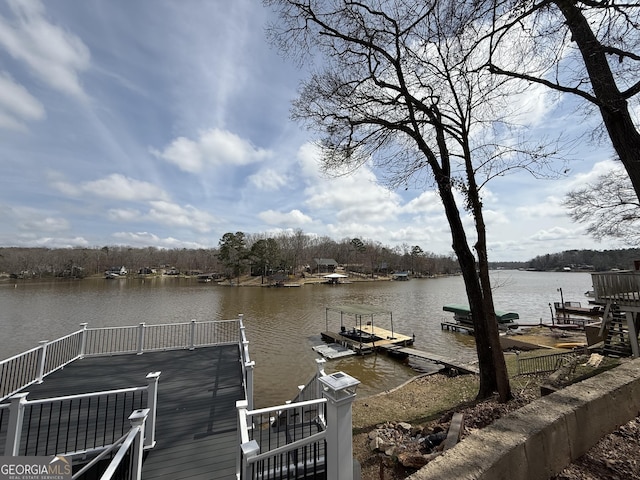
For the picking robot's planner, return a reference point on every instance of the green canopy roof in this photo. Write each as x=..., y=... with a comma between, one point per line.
x=462, y=309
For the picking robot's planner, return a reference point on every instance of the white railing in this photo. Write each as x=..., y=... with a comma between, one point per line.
x=20, y=371
x=32, y=366
x=312, y=389
x=83, y=423
x=130, y=446
x=247, y=365
x=286, y=441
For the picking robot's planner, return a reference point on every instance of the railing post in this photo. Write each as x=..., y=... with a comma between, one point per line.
x=42, y=356
x=249, y=450
x=152, y=406
x=83, y=339
x=340, y=390
x=137, y=419
x=241, y=407
x=14, y=429
x=321, y=373
x=192, y=335
x=248, y=366
x=141, y=338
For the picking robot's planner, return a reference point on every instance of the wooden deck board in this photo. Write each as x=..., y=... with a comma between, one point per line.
x=196, y=419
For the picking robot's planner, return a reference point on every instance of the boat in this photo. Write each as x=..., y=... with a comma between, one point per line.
x=335, y=278
x=462, y=316
x=356, y=327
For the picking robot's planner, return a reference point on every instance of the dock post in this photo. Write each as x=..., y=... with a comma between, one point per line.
x=14, y=429
x=42, y=357
x=152, y=406
x=340, y=391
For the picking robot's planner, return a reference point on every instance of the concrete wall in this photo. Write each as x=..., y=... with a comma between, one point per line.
x=542, y=438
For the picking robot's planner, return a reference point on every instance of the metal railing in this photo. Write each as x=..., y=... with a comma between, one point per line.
x=247, y=365
x=127, y=462
x=312, y=389
x=542, y=363
x=20, y=371
x=74, y=424
x=622, y=288
x=283, y=442
x=32, y=366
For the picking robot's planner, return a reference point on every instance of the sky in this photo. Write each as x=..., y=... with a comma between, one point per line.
x=167, y=123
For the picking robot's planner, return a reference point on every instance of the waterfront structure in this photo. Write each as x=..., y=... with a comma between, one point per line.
x=619, y=292
x=179, y=396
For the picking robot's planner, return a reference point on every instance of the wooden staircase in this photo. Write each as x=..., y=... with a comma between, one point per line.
x=617, y=343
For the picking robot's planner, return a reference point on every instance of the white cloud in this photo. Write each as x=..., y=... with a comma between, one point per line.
x=119, y=187
x=145, y=239
x=115, y=186
x=293, y=218
x=555, y=233
x=17, y=104
x=212, y=148
x=44, y=224
x=124, y=214
x=53, y=54
x=173, y=215
x=268, y=179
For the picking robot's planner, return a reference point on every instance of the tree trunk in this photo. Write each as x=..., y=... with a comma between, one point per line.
x=612, y=104
x=484, y=346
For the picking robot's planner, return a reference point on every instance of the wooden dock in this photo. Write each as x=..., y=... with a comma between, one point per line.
x=432, y=357
x=367, y=339
x=456, y=327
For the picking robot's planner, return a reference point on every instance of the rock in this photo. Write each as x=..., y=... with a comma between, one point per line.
x=412, y=460
x=376, y=444
x=406, y=427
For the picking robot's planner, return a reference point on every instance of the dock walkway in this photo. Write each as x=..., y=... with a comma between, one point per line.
x=446, y=362
x=196, y=430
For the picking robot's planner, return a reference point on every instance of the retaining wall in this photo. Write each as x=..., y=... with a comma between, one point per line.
x=542, y=438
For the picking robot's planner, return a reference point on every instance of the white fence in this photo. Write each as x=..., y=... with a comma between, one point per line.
x=32, y=366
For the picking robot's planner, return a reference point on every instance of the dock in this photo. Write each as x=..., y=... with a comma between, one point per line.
x=448, y=363
x=366, y=339
x=456, y=327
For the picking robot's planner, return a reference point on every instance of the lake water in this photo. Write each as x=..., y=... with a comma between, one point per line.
x=282, y=323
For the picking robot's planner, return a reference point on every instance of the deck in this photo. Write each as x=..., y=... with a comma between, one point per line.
x=196, y=417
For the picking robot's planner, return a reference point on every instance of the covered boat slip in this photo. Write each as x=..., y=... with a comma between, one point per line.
x=462, y=315
x=356, y=327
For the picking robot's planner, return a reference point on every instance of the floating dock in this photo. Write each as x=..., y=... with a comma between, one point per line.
x=333, y=350
x=366, y=339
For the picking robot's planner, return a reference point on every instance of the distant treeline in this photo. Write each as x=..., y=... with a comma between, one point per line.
x=295, y=253
x=587, y=260
x=292, y=254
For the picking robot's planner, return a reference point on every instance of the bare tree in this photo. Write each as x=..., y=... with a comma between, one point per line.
x=400, y=89
x=609, y=206
x=587, y=48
